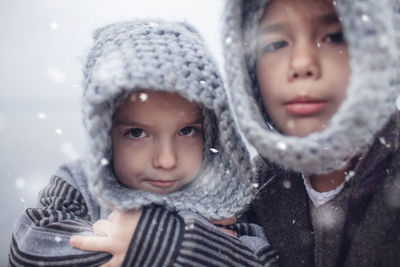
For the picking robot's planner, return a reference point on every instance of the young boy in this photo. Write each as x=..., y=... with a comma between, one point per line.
x=318, y=103
x=161, y=140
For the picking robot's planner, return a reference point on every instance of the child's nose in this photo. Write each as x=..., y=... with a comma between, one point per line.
x=165, y=156
x=304, y=64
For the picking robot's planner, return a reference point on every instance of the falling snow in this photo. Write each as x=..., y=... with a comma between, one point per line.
x=214, y=150
x=57, y=239
x=143, y=97
x=328, y=216
x=189, y=226
x=382, y=140
x=20, y=183
x=202, y=82
x=281, y=145
x=255, y=185
x=398, y=102
x=58, y=131
x=349, y=175
x=365, y=18
x=287, y=184
x=104, y=162
x=228, y=40
x=54, y=25
x=42, y=115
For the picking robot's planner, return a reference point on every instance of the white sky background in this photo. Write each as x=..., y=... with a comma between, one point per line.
x=42, y=46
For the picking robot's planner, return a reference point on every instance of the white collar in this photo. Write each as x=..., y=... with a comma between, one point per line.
x=320, y=198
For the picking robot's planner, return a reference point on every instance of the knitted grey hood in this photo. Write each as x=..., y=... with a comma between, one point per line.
x=166, y=56
x=371, y=29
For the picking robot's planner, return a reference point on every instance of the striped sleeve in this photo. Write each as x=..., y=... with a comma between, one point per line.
x=164, y=238
x=41, y=235
x=19, y=258
x=207, y=246
x=157, y=237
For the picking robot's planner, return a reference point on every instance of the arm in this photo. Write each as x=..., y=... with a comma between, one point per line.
x=41, y=235
x=164, y=237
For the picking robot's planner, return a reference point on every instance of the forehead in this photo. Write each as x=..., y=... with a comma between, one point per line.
x=152, y=102
x=281, y=10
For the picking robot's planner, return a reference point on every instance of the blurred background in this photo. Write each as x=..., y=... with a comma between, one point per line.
x=42, y=48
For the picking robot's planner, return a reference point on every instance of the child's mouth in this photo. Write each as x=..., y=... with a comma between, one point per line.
x=304, y=106
x=161, y=183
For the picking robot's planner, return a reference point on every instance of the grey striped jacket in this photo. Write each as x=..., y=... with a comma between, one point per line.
x=162, y=238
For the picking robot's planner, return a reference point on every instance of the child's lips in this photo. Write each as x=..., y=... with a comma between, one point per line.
x=162, y=183
x=305, y=106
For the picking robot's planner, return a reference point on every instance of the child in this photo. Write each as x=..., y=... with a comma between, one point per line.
x=159, y=132
x=318, y=103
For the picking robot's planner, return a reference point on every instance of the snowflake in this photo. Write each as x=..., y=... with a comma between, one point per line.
x=42, y=115
x=143, y=97
x=214, y=150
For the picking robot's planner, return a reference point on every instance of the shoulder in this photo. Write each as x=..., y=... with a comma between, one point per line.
x=73, y=173
x=71, y=177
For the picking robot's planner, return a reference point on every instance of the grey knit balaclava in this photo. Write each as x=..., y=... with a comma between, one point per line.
x=166, y=56
x=371, y=29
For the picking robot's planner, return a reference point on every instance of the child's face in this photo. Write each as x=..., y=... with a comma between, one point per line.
x=302, y=65
x=157, y=141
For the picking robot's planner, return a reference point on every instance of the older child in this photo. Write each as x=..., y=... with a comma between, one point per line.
x=159, y=132
x=318, y=103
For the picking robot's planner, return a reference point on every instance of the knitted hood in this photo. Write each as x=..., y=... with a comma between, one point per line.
x=371, y=31
x=166, y=56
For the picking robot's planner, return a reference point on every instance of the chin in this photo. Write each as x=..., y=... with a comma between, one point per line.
x=304, y=129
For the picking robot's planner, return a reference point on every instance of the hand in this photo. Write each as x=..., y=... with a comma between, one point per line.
x=115, y=235
x=226, y=221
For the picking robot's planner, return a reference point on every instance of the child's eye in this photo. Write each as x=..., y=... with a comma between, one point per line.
x=188, y=131
x=274, y=46
x=336, y=37
x=136, y=133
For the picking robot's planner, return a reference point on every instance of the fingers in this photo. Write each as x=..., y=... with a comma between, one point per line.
x=102, y=227
x=90, y=243
x=225, y=221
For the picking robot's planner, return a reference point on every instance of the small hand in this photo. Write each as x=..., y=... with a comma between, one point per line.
x=115, y=235
x=226, y=221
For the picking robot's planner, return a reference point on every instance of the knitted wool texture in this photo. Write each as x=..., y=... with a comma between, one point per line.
x=371, y=29
x=166, y=56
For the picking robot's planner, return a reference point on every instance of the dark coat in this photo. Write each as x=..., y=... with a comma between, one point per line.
x=371, y=232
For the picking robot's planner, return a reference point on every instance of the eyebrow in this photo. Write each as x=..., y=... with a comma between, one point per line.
x=271, y=28
x=325, y=19
x=125, y=123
